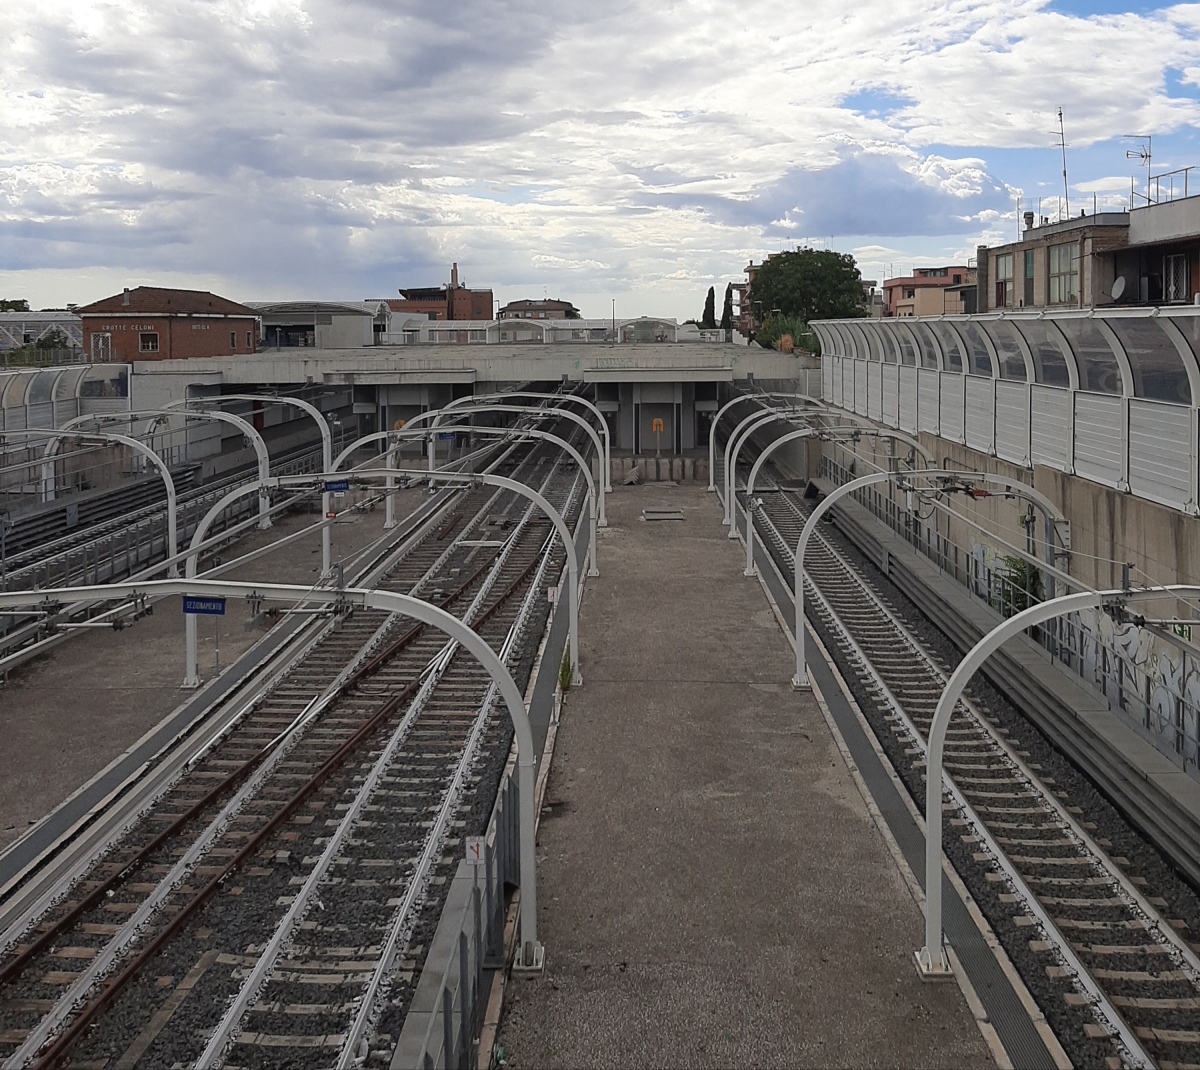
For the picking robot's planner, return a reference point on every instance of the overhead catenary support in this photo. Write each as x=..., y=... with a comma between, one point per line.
x=435, y=415
x=817, y=403
x=932, y=959
x=808, y=432
x=578, y=399
x=500, y=432
x=245, y=426
x=134, y=444
x=326, y=448
x=800, y=681
x=733, y=447
x=530, y=953
x=155, y=416
x=191, y=657
x=191, y=673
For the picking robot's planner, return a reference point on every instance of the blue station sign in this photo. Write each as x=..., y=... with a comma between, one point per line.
x=207, y=606
x=337, y=486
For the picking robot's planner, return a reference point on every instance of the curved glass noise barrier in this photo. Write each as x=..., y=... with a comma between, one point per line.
x=1158, y=370
x=1098, y=367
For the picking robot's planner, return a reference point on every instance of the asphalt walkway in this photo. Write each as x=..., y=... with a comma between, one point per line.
x=713, y=889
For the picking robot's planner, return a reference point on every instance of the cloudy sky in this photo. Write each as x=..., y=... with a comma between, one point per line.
x=618, y=149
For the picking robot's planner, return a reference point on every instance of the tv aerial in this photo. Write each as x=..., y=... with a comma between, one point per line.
x=1143, y=153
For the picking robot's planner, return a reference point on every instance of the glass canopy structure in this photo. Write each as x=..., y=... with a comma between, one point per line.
x=1108, y=394
x=48, y=397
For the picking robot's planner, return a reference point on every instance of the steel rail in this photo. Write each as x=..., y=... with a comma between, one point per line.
x=222, y=1036
x=1093, y=991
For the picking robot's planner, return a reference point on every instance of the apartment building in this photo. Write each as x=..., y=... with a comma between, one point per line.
x=932, y=291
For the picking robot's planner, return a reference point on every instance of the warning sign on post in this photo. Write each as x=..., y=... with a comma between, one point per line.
x=476, y=850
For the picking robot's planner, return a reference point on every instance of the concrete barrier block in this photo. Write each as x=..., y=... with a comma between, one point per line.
x=702, y=469
x=689, y=469
x=677, y=469
x=664, y=468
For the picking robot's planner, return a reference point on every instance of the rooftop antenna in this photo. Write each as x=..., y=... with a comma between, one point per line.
x=1142, y=153
x=1062, y=141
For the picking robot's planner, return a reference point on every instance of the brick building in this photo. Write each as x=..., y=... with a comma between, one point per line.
x=453, y=302
x=1149, y=255
x=544, y=309
x=153, y=323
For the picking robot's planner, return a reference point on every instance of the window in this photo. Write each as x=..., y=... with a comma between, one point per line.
x=148, y=342
x=1004, y=280
x=909, y=292
x=249, y=340
x=1029, y=263
x=233, y=339
x=1064, y=274
x=957, y=280
x=1175, y=278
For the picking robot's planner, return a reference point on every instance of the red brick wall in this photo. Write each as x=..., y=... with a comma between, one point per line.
x=419, y=308
x=470, y=304
x=179, y=337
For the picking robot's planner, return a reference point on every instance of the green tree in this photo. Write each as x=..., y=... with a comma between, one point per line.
x=14, y=306
x=727, y=309
x=55, y=338
x=776, y=327
x=709, y=320
x=810, y=284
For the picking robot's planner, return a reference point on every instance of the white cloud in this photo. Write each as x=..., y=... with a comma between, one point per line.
x=345, y=148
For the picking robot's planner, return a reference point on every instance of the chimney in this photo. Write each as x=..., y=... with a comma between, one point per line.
x=454, y=276
x=125, y=296
x=1029, y=221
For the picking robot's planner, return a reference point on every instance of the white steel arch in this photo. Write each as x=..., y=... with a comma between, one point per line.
x=579, y=399
x=140, y=448
x=800, y=680
x=808, y=432
x=499, y=432
x=575, y=418
x=733, y=446
x=154, y=416
x=191, y=674
x=326, y=445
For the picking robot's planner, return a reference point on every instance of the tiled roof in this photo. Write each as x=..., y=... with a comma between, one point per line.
x=160, y=299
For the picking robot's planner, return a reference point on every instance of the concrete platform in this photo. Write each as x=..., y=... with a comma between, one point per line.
x=713, y=888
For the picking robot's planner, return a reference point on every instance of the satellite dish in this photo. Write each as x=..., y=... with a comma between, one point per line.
x=1118, y=288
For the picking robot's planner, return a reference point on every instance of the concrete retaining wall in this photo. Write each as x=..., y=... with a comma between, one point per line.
x=661, y=469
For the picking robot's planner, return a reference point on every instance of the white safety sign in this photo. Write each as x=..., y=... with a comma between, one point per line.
x=476, y=850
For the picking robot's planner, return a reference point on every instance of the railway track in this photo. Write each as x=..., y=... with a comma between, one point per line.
x=120, y=534
x=1119, y=981
x=273, y=906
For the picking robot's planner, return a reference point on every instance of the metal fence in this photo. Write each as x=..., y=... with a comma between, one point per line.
x=441, y=1030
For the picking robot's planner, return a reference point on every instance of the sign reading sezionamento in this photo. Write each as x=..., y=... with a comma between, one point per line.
x=208, y=606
